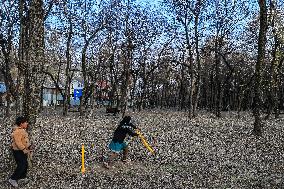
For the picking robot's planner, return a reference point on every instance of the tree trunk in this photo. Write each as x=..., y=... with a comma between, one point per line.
x=272, y=82
x=34, y=61
x=57, y=81
x=84, y=99
x=192, y=87
x=6, y=47
x=182, y=89
x=277, y=88
x=198, y=78
x=257, y=130
x=125, y=86
x=67, y=70
x=114, y=82
x=217, y=79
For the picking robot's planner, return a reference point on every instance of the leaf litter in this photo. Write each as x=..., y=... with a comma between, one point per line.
x=204, y=152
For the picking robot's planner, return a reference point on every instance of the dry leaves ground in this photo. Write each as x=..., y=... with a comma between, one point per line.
x=204, y=152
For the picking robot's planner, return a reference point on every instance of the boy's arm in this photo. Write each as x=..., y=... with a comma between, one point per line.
x=28, y=143
x=132, y=125
x=18, y=140
x=130, y=129
x=133, y=133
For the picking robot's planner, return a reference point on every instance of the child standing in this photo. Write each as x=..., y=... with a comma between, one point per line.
x=21, y=149
x=118, y=144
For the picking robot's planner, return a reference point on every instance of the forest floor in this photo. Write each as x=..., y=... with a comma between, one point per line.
x=204, y=152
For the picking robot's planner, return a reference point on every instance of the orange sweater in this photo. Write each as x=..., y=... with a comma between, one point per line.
x=20, y=139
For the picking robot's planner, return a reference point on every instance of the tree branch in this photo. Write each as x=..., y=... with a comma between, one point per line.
x=54, y=81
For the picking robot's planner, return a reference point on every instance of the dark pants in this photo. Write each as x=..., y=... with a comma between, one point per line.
x=22, y=165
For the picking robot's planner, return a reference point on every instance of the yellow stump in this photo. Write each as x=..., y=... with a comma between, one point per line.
x=144, y=142
x=83, y=159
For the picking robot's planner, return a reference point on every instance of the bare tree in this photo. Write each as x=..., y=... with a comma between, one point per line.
x=66, y=98
x=32, y=55
x=8, y=22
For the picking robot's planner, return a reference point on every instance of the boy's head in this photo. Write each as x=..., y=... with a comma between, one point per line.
x=22, y=122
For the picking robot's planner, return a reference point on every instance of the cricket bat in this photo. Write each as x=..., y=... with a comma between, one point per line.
x=144, y=142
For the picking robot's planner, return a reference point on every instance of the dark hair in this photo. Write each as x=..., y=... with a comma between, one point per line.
x=20, y=120
x=125, y=120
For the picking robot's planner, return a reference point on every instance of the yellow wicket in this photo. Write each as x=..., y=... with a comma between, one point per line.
x=83, y=159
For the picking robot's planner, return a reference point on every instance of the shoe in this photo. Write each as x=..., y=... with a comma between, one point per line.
x=126, y=160
x=24, y=181
x=13, y=182
x=107, y=165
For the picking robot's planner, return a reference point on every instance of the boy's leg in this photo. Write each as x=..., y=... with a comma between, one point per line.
x=22, y=165
x=21, y=169
x=110, y=159
x=25, y=166
x=125, y=154
x=18, y=155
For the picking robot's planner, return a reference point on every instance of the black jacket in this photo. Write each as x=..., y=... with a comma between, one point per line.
x=121, y=131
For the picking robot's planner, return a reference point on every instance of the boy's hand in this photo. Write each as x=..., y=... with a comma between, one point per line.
x=137, y=131
x=27, y=151
x=31, y=147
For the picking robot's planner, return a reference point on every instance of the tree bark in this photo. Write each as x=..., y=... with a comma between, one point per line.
x=257, y=130
x=272, y=83
x=217, y=79
x=34, y=60
x=198, y=75
x=67, y=70
x=125, y=86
